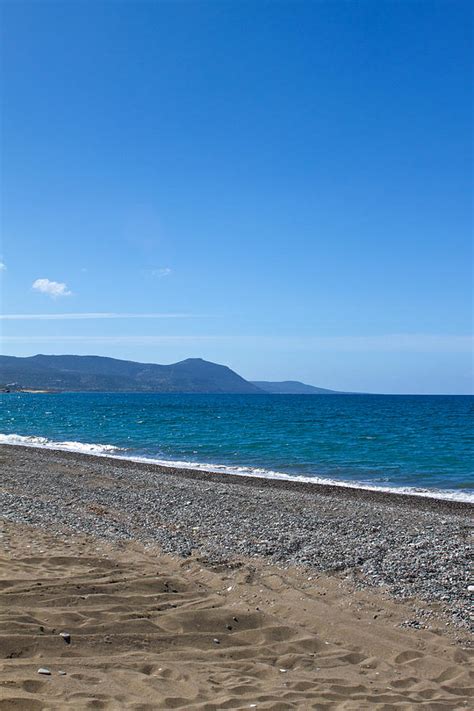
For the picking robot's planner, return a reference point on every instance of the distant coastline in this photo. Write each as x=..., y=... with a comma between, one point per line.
x=71, y=373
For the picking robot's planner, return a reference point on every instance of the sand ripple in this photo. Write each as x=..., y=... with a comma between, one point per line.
x=154, y=632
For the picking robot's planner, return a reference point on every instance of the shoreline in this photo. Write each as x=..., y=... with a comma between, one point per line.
x=410, y=546
x=275, y=478
x=184, y=589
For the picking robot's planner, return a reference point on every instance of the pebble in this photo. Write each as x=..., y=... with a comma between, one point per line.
x=365, y=537
x=66, y=637
x=43, y=670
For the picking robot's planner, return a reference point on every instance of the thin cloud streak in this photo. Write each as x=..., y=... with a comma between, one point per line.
x=391, y=342
x=160, y=273
x=136, y=340
x=427, y=343
x=92, y=315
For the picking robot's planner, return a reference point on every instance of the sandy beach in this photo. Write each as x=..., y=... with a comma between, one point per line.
x=188, y=590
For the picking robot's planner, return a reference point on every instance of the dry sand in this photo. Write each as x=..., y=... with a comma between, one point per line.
x=151, y=631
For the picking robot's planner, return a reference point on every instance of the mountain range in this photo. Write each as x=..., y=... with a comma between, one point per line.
x=59, y=373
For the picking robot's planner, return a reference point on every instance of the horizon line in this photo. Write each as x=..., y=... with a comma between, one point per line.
x=253, y=380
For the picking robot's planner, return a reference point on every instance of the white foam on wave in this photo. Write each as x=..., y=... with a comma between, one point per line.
x=325, y=481
x=109, y=450
x=83, y=447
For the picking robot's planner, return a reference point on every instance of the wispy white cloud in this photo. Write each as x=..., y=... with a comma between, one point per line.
x=92, y=315
x=135, y=340
x=162, y=272
x=420, y=343
x=52, y=288
x=385, y=342
x=3, y=267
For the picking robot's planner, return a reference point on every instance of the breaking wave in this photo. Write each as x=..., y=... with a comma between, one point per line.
x=108, y=450
x=83, y=447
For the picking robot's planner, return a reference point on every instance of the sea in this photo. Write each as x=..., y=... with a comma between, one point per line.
x=410, y=444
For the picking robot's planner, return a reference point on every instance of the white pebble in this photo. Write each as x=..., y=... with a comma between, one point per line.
x=43, y=670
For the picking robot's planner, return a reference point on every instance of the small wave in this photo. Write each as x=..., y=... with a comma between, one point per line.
x=109, y=450
x=325, y=481
x=84, y=447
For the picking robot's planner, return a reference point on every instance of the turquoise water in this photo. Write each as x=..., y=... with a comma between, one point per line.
x=420, y=442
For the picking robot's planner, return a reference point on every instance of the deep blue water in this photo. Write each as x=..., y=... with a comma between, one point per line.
x=425, y=442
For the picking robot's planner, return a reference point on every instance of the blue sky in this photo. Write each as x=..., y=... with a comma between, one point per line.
x=284, y=187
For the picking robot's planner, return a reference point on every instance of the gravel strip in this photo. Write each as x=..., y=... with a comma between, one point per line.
x=414, y=547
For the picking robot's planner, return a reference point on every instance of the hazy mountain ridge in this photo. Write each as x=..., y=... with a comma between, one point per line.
x=96, y=373
x=102, y=374
x=291, y=387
